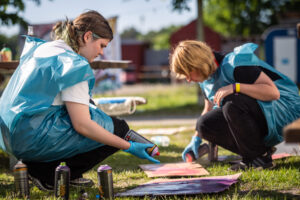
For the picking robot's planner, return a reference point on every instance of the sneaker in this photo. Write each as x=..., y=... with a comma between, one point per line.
x=39, y=184
x=81, y=182
x=261, y=162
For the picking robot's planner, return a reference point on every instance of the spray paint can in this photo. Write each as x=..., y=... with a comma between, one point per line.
x=105, y=182
x=21, y=179
x=213, y=152
x=202, y=150
x=131, y=135
x=62, y=181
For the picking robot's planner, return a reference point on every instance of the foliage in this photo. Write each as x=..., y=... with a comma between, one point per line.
x=248, y=17
x=130, y=33
x=13, y=17
x=180, y=5
x=157, y=39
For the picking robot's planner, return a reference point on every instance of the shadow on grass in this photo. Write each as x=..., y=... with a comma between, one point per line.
x=288, y=163
x=270, y=194
x=6, y=187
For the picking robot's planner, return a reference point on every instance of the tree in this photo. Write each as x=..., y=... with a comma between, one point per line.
x=159, y=39
x=13, y=17
x=130, y=33
x=235, y=17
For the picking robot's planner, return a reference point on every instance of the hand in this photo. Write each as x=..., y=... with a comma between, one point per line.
x=139, y=150
x=192, y=146
x=221, y=93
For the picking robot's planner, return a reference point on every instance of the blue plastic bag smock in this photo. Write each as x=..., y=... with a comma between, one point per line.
x=278, y=113
x=31, y=127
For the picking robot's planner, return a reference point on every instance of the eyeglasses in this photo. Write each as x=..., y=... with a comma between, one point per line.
x=93, y=34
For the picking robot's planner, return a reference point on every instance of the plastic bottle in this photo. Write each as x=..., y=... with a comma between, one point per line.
x=163, y=141
x=21, y=179
x=30, y=31
x=62, y=181
x=6, y=54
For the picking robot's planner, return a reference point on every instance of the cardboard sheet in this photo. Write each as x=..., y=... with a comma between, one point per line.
x=174, y=169
x=191, y=186
x=280, y=155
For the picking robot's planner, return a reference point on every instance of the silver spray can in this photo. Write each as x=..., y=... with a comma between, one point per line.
x=21, y=179
x=131, y=135
x=105, y=182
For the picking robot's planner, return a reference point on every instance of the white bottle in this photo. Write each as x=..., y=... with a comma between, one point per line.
x=163, y=141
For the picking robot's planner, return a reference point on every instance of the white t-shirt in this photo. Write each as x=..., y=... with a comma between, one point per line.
x=78, y=93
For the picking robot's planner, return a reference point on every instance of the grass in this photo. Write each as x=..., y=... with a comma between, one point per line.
x=167, y=100
x=282, y=182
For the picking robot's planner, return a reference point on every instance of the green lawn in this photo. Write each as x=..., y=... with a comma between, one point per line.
x=282, y=182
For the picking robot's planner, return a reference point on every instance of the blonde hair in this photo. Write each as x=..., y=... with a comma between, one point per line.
x=72, y=31
x=192, y=55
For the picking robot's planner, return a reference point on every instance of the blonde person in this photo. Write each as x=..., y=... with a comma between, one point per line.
x=247, y=102
x=45, y=112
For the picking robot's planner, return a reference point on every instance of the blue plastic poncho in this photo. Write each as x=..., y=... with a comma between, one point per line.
x=278, y=113
x=31, y=128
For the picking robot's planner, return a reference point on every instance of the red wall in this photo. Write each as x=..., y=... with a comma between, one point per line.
x=135, y=53
x=189, y=32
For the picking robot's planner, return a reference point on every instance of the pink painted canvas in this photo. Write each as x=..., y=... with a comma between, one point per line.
x=174, y=169
x=280, y=156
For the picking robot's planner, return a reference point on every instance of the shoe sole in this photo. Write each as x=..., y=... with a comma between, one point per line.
x=38, y=184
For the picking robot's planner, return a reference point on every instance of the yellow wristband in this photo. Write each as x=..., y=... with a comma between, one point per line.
x=237, y=87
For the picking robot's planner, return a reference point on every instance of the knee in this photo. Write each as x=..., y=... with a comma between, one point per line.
x=120, y=127
x=202, y=126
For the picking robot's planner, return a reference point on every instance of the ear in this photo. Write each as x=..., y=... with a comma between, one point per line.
x=87, y=35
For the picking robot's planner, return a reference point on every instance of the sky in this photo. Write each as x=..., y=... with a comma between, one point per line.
x=144, y=15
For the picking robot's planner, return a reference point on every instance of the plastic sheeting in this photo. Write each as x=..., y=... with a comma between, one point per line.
x=279, y=112
x=31, y=128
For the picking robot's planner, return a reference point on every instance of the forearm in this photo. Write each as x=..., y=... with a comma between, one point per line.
x=92, y=130
x=261, y=92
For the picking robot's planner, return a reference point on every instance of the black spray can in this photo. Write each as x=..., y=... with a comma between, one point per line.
x=135, y=137
x=62, y=181
x=105, y=182
x=21, y=179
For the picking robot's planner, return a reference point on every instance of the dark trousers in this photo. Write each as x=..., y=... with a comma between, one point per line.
x=239, y=126
x=80, y=163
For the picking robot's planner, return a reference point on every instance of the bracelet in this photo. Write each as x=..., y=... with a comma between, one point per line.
x=233, y=87
x=237, y=87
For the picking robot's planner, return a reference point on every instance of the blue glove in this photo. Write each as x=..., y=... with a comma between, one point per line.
x=192, y=146
x=139, y=150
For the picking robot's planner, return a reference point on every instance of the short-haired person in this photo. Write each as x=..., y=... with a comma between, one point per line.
x=45, y=110
x=247, y=102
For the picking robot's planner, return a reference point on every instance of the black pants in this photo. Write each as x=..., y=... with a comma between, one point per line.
x=239, y=126
x=80, y=163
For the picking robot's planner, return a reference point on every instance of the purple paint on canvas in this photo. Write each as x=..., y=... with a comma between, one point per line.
x=186, y=187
